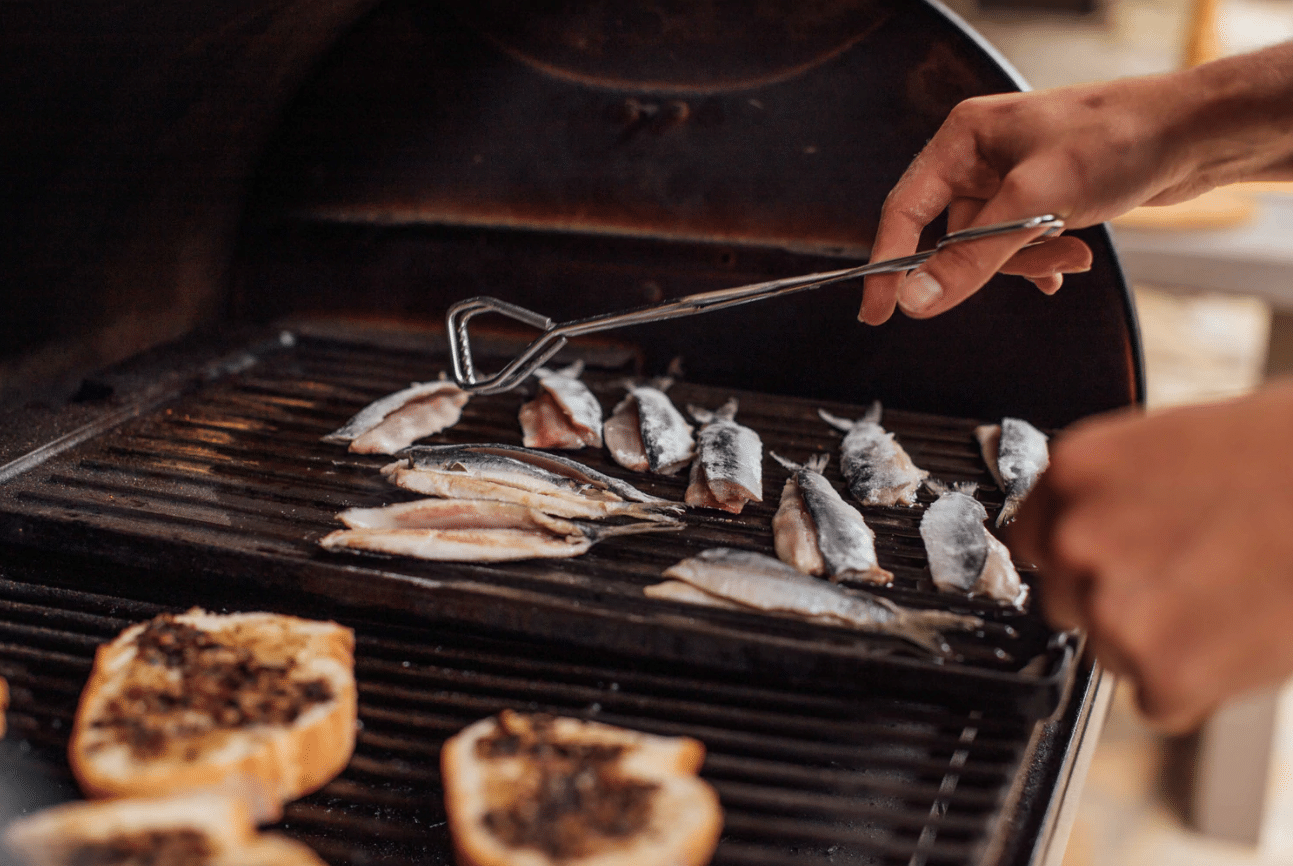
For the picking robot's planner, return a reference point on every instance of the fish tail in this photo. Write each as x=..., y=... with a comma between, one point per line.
x=702, y=415
x=662, y=383
x=1008, y=511
x=874, y=412
x=674, y=370
x=936, y=487
x=789, y=465
x=925, y=628
x=727, y=412
x=600, y=532
x=574, y=371
x=835, y=421
x=817, y=462
x=966, y=487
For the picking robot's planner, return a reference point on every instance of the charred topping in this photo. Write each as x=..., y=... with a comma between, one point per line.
x=152, y=848
x=574, y=801
x=212, y=685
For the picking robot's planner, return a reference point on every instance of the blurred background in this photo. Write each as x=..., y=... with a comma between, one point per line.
x=1213, y=281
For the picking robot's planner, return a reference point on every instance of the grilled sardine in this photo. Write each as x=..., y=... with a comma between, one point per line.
x=1017, y=455
x=876, y=467
x=760, y=582
x=728, y=469
x=525, y=467
x=817, y=532
x=646, y=432
x=564, y=414
x=963, y=556
x=559, y=539
x=398, y=420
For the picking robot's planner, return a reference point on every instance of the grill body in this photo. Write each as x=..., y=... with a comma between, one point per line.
x=201, y=176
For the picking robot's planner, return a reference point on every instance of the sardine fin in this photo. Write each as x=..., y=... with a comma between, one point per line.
x=788, y=465
x=842, y=424
x=874, y=412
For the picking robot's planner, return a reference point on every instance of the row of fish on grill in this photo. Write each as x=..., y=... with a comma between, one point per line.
x=492, y=502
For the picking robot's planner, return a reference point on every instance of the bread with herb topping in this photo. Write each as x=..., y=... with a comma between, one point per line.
x=194, y=700
x=536, y=790
x=197, y=829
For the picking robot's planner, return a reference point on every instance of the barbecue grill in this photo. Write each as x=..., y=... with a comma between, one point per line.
x=299, y=191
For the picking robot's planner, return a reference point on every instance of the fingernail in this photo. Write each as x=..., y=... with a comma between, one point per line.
x=919, y=292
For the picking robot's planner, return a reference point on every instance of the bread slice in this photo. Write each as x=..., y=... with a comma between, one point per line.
x=536, y=790
x=197, y=828
x=203, y=828
x=193, y=700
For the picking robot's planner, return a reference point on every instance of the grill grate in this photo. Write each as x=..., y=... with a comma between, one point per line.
x=231, y=481
x=805, y=776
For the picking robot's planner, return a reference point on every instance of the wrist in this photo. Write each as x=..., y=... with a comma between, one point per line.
x=1237, y=118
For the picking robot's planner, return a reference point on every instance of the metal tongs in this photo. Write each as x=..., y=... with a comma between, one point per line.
x=555, y=335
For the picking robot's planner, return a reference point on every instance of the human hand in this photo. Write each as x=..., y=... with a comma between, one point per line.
x=1169, y=539
x=1085, y=153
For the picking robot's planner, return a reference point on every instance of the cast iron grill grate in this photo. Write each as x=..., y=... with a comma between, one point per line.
x=230, y=481
x=805, y=776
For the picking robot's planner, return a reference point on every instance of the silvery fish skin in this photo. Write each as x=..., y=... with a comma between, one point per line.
x=559, y=541
x=816, y=528
x=647, y=433
x=451, y=484
x=728, y=469
x=876, y=467
x=455, y=514
x=763, y=583
x=963, y=556
x=553, y=468
x=398, y=420
x=1017, y=455
x=564, y=414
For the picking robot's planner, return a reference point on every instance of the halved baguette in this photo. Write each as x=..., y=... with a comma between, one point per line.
x=197, y=829
x=533, y=790
x=207, y=698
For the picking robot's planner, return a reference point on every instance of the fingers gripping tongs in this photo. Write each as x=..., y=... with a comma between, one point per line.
x=555, y=335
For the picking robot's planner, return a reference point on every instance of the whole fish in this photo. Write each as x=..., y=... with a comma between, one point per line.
x=564, y=414
x=460, y=484
x=1017, y=455
x=398, y=420
x=559, y=540
x=728, y=469
x=876, y=467
x=963, y=556
x=454, y=514
x=815, y=531
x=647, y=433
x=760, y=582
x=525, y=466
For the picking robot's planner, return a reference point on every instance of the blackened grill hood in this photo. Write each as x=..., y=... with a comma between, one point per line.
x=574, y=157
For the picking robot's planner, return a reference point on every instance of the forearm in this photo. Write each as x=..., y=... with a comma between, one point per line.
x=1240, y=126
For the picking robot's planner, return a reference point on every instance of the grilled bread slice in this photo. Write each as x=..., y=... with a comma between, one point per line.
x=198, y=829
x=535, y=790
x=196, y=699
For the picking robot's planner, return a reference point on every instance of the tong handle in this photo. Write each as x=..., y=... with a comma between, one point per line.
x=556, y=336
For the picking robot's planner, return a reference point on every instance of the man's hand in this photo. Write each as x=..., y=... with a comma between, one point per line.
x=1086, y=154
x=1169, y=538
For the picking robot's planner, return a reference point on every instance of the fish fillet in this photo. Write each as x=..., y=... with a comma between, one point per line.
x=762, y=583
x=877, y=469
x=728, y=469
x=564, y=414
x=397, y=420
x=815, y=527
x=646, y=432
x=479, y=545
x=1017, y=455
x=963, y=556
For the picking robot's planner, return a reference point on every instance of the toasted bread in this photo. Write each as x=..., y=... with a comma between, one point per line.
x=192, y=700
x=203, y=828
x=199, y=827
x=538, y=790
